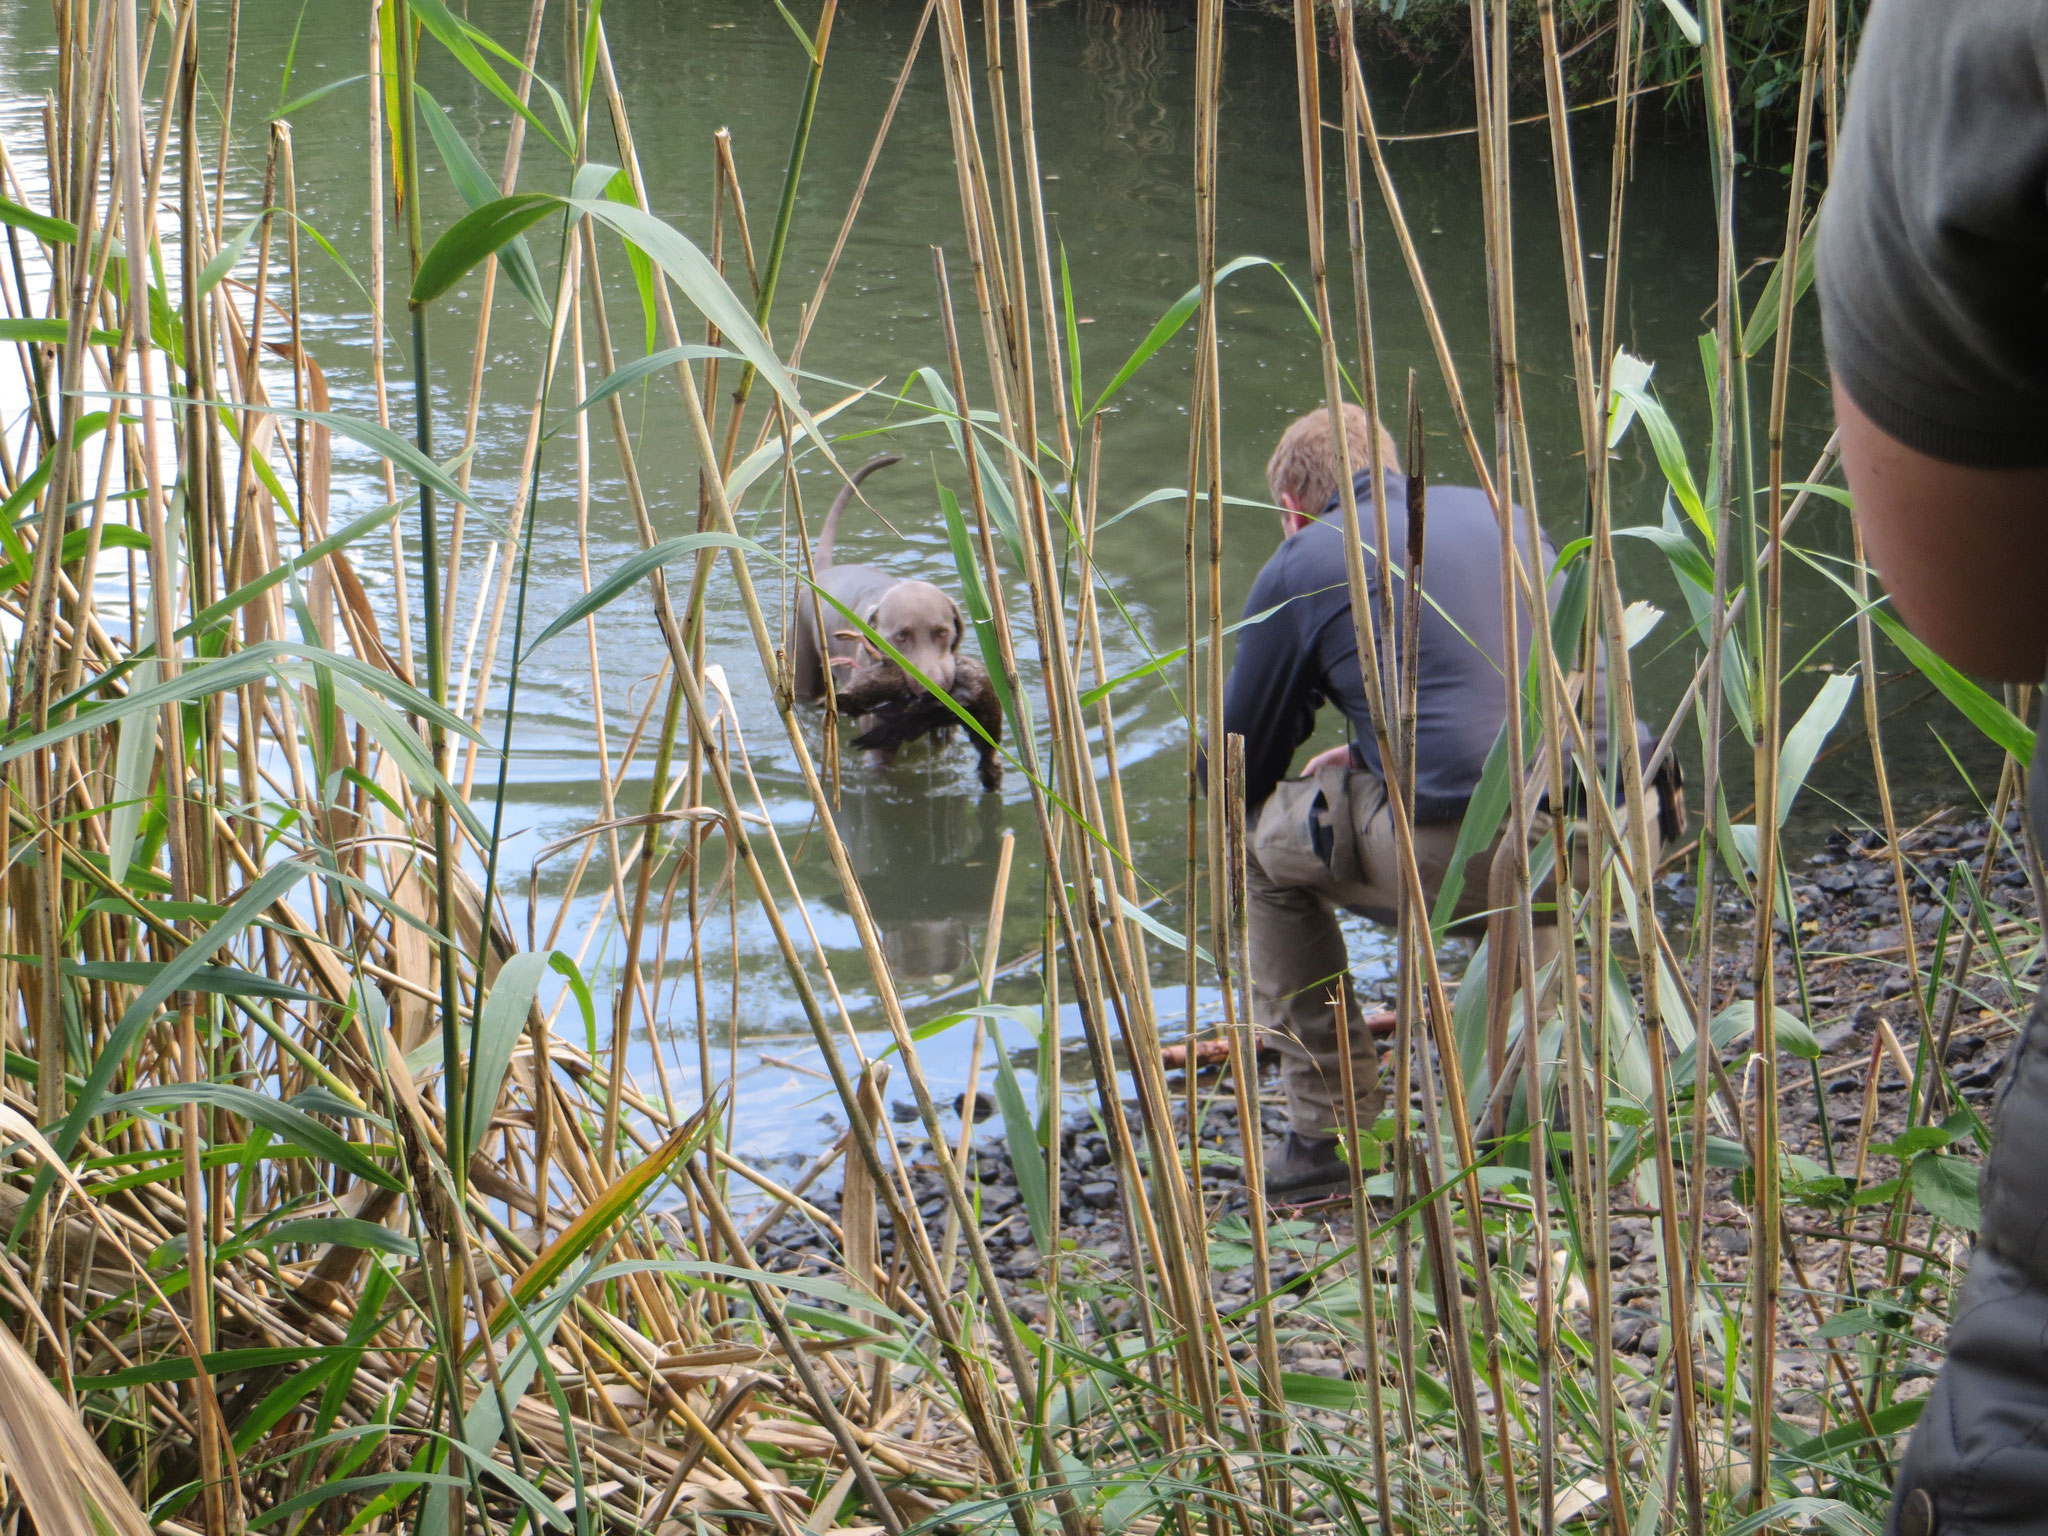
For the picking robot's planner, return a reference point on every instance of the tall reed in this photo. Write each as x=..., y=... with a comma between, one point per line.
x=275, y=1274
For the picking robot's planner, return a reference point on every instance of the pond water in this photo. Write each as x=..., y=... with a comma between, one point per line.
x=1114, y=86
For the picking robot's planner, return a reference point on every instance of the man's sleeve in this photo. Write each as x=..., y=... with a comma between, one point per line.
x=1261, y=698
x=1933, y=251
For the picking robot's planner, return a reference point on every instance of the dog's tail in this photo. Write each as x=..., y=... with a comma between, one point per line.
x=829, y=532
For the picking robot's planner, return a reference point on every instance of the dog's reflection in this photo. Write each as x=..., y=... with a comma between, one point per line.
x=928, y=866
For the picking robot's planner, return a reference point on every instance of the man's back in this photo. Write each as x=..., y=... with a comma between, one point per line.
x=1291, y=661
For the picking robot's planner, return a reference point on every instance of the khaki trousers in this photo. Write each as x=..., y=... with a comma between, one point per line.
x=1319, y=844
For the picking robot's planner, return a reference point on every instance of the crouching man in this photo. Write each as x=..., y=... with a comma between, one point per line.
x=1326, y=840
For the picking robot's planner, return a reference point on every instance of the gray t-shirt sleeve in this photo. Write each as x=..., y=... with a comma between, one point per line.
x=1933, y=251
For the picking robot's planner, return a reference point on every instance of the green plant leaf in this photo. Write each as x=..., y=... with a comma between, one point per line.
x=398, y=1481
x=1947, y=1186
x=219, y=1362
x=626, y=375
x=498, y=1026
x=299, y=103
x=311, y=556
x=398, y=739
x=478, y=191
x=1170, y=937
x=1989, y=715
x=1670, y=451
x=251, y=903
x=51, y=231
x=461, y=40
x=632, y=571
x=1027, y=1156
x=219, y=980
x=273, y=1115
x=1786, y=1514
x=340, y=1232
x=620, y=190
x=476, y=235
x=228, y=256
x=50, y=332
x=239, y=670
x=380, y=440
x=932, y=1028
x=1168, y=326
x=1632, y=371
x=613, y=1202
x=1763, y=319
x=135, y=745
x=1688, y=24
x=982, y=617
x=1804, y=741
x=1484, y=813
x=689, y=269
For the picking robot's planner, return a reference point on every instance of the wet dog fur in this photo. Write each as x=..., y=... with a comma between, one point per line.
x=920, y=620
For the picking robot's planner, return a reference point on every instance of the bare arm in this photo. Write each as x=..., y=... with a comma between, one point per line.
x=1963, y=551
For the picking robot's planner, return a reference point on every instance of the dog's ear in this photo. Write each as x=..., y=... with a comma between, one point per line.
x=959, y=628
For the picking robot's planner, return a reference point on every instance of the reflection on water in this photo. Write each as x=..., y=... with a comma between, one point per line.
x=927, y=862
x=1124, y=55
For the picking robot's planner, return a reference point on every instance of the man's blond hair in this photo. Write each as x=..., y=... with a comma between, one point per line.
x=1305, y=462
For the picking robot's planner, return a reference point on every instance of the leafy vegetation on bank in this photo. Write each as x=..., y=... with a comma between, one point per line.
x=1764, y=46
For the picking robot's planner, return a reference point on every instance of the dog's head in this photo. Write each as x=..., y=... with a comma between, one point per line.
x=925, y=627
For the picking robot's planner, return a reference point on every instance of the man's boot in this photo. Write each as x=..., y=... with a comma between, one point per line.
x=1304, y=1167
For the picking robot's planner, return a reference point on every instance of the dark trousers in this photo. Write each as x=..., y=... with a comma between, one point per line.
x=1980, y=1451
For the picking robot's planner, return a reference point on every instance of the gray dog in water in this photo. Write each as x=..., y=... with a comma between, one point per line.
x=923, y=624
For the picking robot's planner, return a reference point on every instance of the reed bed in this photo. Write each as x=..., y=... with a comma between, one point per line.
x=330, y=1205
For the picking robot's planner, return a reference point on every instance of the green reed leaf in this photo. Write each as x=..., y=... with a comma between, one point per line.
x=1804, y=741
x=219, y=980
x=219, y=1362
x=1670, y=451
x=1989, y=715
x=1027, y=1153
x=50, y=332
x=51, y=231
x=461, y=40
x=228, y=256
x=626, y=375
x=982, y=616
x=499, y=1025
x=273, y=1115
x=1763, y=319
x=299, y=103
x=479, y=191
x=691, y=271
x=477, y=235
x=635, y=569
x=598, y=1217
x=1169, y=325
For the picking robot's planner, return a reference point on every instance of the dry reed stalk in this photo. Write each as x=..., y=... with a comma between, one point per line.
x=515, y=145
x=1368, y=1298
x=1765, y=1141
x=1438, y=1003
x=1244, y=1076
x=922, y=1259
x=641, y=1348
